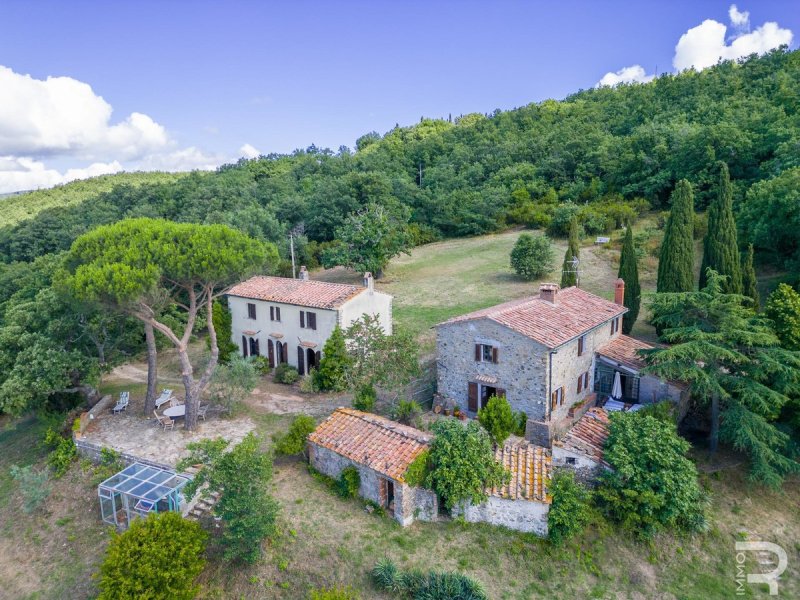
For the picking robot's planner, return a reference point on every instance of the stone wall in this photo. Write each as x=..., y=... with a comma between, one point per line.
x=409, y=503
x=93, y=453
x=586, y=470
x=521, y=368
x=528, y=516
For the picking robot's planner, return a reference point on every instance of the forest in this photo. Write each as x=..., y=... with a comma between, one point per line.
x=603, y=155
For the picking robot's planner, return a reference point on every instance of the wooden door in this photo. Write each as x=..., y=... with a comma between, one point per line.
x=271, y=354
x=472, y=397
x=300, y=356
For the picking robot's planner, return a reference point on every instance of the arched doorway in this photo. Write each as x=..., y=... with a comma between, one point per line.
x=312, y=360
x=244, y=346
x=254, y=347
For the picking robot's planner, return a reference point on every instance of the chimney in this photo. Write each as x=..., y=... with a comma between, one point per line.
x=619, y=292
x=369, y=282
x=303, y=275
x=548, y=292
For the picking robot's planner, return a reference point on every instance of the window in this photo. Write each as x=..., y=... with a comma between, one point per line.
x=274, y=313
x=556, y=398
x=308, y=320
x=571, y=460
x=581, y=341
x=614, y=326
x=486, y=353
x=583, y=382
x=251, y=310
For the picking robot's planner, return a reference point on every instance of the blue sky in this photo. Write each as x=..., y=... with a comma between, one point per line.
x=213, y=76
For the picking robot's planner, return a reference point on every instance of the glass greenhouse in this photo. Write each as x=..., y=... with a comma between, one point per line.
x=137, y=490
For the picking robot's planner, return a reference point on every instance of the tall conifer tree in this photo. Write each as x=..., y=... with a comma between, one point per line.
x=749, y=287
x=720, y=247
x=629, y=272
x=676, y=262
x=569, y=275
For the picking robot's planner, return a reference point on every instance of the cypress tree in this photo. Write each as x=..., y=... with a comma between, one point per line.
x=330, y=376
x=676, y=262
x=720, y=247
x=749, y=287
x=569, y=276
x=629, y=272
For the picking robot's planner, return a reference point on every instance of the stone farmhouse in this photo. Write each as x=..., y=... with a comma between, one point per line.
x=552, y=356
x=381, y=450
x=289, y=320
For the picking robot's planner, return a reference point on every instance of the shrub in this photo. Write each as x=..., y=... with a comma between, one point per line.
x=157, y=557
x=242, y=475
x=418, y=470
x=285, y=373
x=308, y=384
x=334, y=593
x=520, y=423
x=294, y=441
x=62, y=453
x=421, y=233
x=34, y=485
x=570, y=510
x=334, y=364
x=348, y=483
x=223, y=320
x=532, y=256
x=497, y=418
x=663, y=411
x=406, y=411
x=261, y=364
x=432, y=585
x=595, y=221
x=562, y=216
x=365, y=397
x=110, y=463
x=652, y=486
x=462, y=463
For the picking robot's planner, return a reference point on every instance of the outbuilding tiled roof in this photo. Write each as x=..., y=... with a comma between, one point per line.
x=588, y=435
x=530, y=469
x=625, y=351
x=575, y=312
x=316, y=294
x=375, y=442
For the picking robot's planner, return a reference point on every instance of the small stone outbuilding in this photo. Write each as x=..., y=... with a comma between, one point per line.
x=523, y=504
x=581, y=448
x=382, y=451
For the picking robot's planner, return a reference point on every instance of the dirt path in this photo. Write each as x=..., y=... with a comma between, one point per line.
x=131, y=372
x=286, y=400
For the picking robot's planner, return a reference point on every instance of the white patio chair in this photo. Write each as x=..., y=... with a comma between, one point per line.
x=201, y=412
x=122, y=403
x=163, y=398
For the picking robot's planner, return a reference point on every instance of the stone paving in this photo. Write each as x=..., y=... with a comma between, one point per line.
x=131, y=433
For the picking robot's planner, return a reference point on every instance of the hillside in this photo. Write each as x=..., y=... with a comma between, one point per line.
x=15, y=208
x=597, y=151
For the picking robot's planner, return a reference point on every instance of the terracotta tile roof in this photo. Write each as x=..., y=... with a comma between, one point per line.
x=575, y=312
x=624, y=350
x=378, y=443
x=530, y=469
x=588, y=435
x=316, y=294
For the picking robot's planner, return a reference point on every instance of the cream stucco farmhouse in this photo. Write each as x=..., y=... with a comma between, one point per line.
x=289, y=320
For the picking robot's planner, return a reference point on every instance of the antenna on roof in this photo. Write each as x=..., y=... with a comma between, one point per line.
x=571, y=266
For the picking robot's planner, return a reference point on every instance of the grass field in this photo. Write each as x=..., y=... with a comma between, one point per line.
x=324, y=540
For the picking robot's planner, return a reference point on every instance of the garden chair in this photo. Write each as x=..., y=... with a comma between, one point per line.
x=163, y=398
x=201, y=411
x=122, y=403
x=165, y=422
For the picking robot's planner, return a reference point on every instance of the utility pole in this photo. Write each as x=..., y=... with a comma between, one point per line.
x=291, y=249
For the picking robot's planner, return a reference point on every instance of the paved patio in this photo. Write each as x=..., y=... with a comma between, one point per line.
x=131, y=433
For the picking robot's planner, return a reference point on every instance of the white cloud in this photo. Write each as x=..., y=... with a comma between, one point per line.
x=634, y=73
x=61, y=115
x=740, y=20
x=703, y=46
x=20, y=173
x=248, y=151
